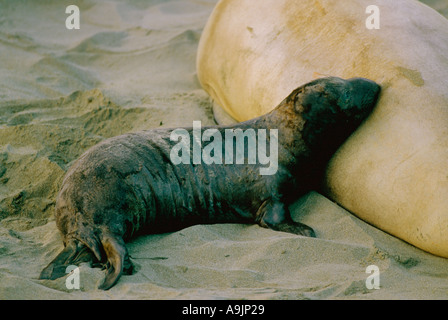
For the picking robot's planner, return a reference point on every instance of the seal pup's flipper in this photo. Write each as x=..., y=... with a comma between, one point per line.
x=74, y=253
x=118, y=261
x=276, y=216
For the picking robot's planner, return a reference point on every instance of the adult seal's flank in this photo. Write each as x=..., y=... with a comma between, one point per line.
x=127, y=185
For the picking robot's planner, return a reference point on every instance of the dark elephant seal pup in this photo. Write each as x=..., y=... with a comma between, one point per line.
x=129, y=185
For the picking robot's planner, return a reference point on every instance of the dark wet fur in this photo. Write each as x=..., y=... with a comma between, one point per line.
x=127, y=185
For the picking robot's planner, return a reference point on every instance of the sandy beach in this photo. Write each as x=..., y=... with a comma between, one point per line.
x=132, y=66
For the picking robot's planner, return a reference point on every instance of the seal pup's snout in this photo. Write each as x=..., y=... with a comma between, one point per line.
x=333, y=108
x=364, y=93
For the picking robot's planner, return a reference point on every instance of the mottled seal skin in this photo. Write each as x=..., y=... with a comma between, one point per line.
x=127, y=185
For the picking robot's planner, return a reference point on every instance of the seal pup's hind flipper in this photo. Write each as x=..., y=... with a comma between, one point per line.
x=74, y=253
x=117, y=259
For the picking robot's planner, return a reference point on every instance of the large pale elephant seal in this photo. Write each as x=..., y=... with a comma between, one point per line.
x=135, y=183
x=393, y=173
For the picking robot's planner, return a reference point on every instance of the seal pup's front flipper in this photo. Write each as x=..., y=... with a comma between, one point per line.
x=274, y=214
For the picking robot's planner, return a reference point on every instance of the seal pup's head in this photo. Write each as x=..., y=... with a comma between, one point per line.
x=332, y=108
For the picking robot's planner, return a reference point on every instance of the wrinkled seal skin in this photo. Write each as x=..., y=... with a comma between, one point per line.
x=127, y=185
